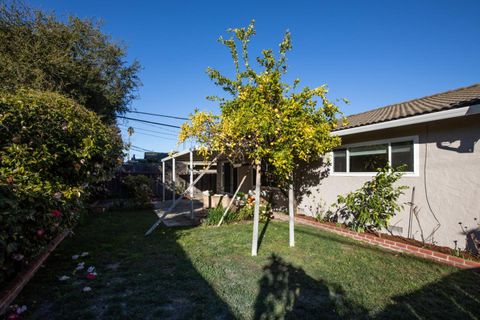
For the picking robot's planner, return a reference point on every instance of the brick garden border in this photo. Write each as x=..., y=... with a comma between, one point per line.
x=388, y=244
x=11, y=292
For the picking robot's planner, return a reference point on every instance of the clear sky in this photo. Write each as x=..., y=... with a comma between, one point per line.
x=372, y=52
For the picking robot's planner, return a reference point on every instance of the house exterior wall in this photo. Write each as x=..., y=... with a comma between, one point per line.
x=241, y=172
x=447, y=187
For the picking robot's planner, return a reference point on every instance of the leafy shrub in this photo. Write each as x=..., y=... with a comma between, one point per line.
x=51, y=150
x=243, y=212
x=214, y=215
x=374, y=204
x=140, y=189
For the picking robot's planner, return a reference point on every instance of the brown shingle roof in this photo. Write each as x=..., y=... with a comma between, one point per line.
x=441, y=101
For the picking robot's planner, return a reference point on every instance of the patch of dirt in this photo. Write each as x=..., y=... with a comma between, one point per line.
x=116, y=281
x=346, y=247
x=177, y=308
x=113, y=266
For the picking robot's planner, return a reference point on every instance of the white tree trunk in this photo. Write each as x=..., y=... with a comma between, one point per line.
x=256, y=212
x=291, y=212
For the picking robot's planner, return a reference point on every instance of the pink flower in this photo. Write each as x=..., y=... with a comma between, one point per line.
x=91, y=275
x=56, y=213
x=13, y=316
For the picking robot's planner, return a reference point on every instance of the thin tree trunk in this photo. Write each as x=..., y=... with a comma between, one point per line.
x=256, y=212
x=291, y=212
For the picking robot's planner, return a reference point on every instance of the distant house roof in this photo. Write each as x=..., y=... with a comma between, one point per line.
x=457, y=98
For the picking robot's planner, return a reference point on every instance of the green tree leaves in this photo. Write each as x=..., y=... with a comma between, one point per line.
x=74, y=58
x=265, y=118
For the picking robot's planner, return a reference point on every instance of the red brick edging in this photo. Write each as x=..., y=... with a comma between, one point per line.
x=389, y=244
x=11, y=292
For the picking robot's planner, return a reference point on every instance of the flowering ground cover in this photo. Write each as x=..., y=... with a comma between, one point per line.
x=208, y=273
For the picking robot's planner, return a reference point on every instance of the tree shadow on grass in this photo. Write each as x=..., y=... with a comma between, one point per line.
x=262, y=234
x=456, y=296
x=287, y=292
x=138, y=277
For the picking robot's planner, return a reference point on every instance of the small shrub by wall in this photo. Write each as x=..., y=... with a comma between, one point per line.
x=374, y=204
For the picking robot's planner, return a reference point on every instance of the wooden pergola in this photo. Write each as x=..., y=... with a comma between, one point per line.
x=191, y=159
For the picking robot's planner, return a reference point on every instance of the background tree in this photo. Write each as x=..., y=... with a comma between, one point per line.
x=264, y=120
x=38, y=51
x=130, y=132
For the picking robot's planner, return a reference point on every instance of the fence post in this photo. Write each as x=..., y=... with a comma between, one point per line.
x=163, y=181
x=174, y=180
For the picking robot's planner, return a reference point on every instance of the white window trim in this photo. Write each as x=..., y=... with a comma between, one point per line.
x=416, y=157
x=222, y=173
x=222, y=176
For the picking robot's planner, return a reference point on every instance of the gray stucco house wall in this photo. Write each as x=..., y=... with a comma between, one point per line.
x=445, y=173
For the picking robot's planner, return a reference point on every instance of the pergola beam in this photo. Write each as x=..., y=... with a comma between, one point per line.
x=156, y=224
x=191, y=183
x=163, y=181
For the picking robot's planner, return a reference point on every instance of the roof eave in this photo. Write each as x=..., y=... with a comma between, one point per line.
x=433, y=116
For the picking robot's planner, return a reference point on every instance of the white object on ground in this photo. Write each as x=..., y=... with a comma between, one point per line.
x=63, y=278
x=21, y=309
x=91, y=269
x=80, y=266
x=86, y=289
x=75, y=257
x=84, y=254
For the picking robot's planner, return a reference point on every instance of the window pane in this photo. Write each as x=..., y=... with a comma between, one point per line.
x=402, y=154
x=340, y=160
x=227, y=179
x=368, y=158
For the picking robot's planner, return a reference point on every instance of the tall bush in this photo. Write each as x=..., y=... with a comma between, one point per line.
x=71, y=56
x=51, y=150
x=140, y=189
x=373, y=205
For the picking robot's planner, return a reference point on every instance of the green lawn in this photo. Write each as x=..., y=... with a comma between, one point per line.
x=208, y=273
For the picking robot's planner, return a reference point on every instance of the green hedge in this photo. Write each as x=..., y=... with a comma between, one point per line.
x=140, y=189
x=51, y=150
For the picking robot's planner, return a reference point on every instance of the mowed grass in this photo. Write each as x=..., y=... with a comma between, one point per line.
x=208, y=273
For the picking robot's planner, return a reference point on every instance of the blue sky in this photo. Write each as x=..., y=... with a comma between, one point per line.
x=372, y=52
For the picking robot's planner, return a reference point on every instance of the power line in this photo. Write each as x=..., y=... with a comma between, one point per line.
x=152, y=135
x=158, y=115
x=140, y=148
x=169, y=130
x=153, y=131
x=151, y=122
x=161, y=128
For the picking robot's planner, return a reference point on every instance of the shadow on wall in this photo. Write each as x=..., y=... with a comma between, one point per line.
x=473, y=242
x=459, y=144
x=308, y=178
x=287, y=292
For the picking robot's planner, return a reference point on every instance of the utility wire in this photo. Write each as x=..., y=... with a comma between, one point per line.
x=152, y=135
x=152, y=131
x=153, y=126
x=158, y=115
x=151, y=122
x=161, y=128
x=140, y=148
